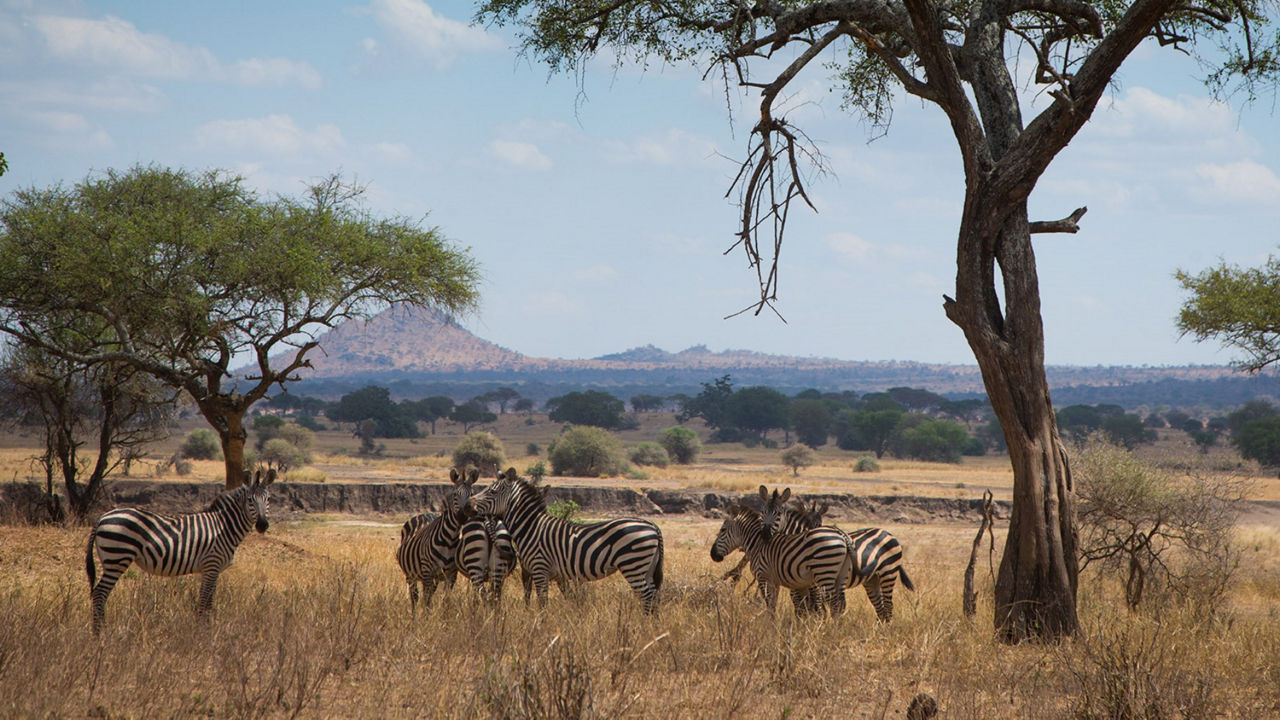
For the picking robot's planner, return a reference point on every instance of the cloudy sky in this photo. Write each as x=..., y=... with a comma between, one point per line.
x=598, y=210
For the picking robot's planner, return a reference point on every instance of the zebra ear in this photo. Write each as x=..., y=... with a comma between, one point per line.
x=786, y=495
x=511, y=473
x=472, y=476
x=764, y=493
x=271, y=476
x=454, y=477
x=248, y=477
x=821, y=509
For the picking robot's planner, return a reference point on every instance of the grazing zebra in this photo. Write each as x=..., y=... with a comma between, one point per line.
x=797, y=519
x=203, y=542
x=428, y=551
x=486, y=554
x=551, y=548
x=816, y=559
x=876, y=553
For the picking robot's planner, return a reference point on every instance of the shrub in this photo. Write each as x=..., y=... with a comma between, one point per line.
x=481, y=449
x=201, y=444
x=681, y=443
x=564, y=509
x=532, y=449
x=648, y=453
x=585, y=451
x=282, y=454
x=797, y=456
x=537, y=471
x=866, y=464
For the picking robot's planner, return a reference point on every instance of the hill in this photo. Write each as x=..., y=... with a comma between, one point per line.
x=421, y=351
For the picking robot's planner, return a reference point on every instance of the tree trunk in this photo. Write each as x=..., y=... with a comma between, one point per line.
x=1035, y=593
x=226, y=416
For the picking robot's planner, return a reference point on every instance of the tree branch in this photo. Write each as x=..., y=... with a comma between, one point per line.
x=1068, y=224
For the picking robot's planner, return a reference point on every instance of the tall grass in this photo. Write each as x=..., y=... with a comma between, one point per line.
x=313, y=621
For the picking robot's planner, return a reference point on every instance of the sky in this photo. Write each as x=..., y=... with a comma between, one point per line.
x=596, y=205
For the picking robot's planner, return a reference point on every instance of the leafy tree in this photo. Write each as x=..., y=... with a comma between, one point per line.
x=712, y=404
x=798, y=456
x=429, y=409
x=867, y=429
x=921, y=437
x=177, y=274
x=876, y=402
x=1247, y=413
x=1259, y=439
x=201, y=444
x=650, y=453
x=916, y=398
x=481, y=450
x=584, y=451
x=962, y=59
x=811, y=421
x=523, y=405
x=282, y=454
x=470, y=414
x=1127, y=431
x=757, y=410
x=592, y=407
x=1238, y=307
x=681, y=443
x=965, y=410
x=94, y=419
x=374, y=403
x=647, y=403
x=1079, y=420
x=502, y=396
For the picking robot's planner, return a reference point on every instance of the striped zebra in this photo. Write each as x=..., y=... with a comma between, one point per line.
x=796, y=518
x=551, y=548
x=876, y=553
x=486, y=554
x=203, y=542
x=815, y=559
x=428, y=550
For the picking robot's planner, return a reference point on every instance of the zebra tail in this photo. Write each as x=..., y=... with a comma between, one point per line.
x=657, y=570
x=906, y=580
x=88, y=560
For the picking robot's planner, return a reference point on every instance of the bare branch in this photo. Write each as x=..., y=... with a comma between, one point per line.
x=1068, y=224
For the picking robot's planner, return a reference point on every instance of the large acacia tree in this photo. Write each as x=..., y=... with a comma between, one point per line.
x=962, y=57
x=187, y=275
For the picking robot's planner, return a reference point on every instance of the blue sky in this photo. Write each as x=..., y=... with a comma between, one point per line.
x=598, y=212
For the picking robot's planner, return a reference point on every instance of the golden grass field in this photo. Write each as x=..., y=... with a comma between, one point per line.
x=313, y=621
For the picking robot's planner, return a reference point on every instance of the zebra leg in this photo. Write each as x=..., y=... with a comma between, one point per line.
x=208, y=584
x=886, y=592
x=541, y=583
x=111, y=573
x=872, y=586
x=413, y=594
x=770, y=594
x=644, y=589
x=526, y=579
x=429, y=589
x=802, y=602
x=835, y=599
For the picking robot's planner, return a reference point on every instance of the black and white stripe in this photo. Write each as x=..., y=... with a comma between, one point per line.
x=428, y=552
x=876, y=553
x=816, y=559
x=487, y=554
x=551, y=548
x=203, y=542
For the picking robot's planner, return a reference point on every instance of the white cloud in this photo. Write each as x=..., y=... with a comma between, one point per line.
x=1244, y=182
x=274, y=133
x=521, y=155
x=852, y=247
x=666, y=148
x=862, y=252
x=435, y=38
x=117, y=45
x=552, y=303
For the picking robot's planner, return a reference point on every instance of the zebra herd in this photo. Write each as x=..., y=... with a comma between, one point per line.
x=485, y=534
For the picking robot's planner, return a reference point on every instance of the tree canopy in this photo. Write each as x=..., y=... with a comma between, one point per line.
x=180, y=274
x=1239, y=307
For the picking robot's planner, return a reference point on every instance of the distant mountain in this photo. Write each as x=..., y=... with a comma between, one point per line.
x=422, y=351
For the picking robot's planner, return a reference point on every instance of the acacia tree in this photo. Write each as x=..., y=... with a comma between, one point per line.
x=1238, y=307
x=180, y=274
x=961, y=57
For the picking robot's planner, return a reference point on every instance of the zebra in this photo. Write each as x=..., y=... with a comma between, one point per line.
x=876, y=553
x=816, y=559
x=428, y=550
x=551, y=548
x=486, y=554
x=203, y=542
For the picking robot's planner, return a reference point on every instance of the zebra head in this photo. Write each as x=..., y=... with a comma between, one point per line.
x=458, y=499
x=808, y=516
x=732, y=531
x=256, y=501
x=772, y=509
x=495, y=500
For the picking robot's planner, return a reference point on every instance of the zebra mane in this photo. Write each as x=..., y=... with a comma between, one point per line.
x=538, y=491
x=227, y=499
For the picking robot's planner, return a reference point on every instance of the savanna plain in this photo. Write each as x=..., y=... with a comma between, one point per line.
x=313, y=618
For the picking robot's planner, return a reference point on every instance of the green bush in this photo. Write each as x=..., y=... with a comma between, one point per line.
x=798, y=456
x=532, y=449
x=648, y=453
x=537, y=471
x=585, y=451
x=201, y=444
x=282, y=454
x=480, y=449
x=565, y=510
x=866, y=464
x=681, y=443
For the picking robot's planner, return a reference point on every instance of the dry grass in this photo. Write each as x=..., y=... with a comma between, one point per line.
x=313, y=621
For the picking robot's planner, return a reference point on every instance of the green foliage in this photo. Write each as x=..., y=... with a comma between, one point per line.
x=1238, y=307
x=585, y=451
x=650, y=453
x=429, y=409
x=646, y=403
x=757, y=410
x=267, y=422
x=470, y=414
x=712, y=404
x=592, y=407
x=201, y=444
x=1127, y=430
x=537, y=471
x=681, y=443
x=532, y=449
x=280, y=453
x=811, y=421
x=867, y=429
x=374, y=403
x=1259, y=439
x=565, y=510
x=866, y=464
x=482, y=450
x=924, y=438
x=798, y=456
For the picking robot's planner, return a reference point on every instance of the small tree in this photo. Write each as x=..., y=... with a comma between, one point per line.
x=650, y=453
x=470, y=414
x=481, y=450
x=1133, y=517
x=585, y=451
x=798, y=456
x=201, y=444
x=681, y=444
x=282, y=455
x=593, y=407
